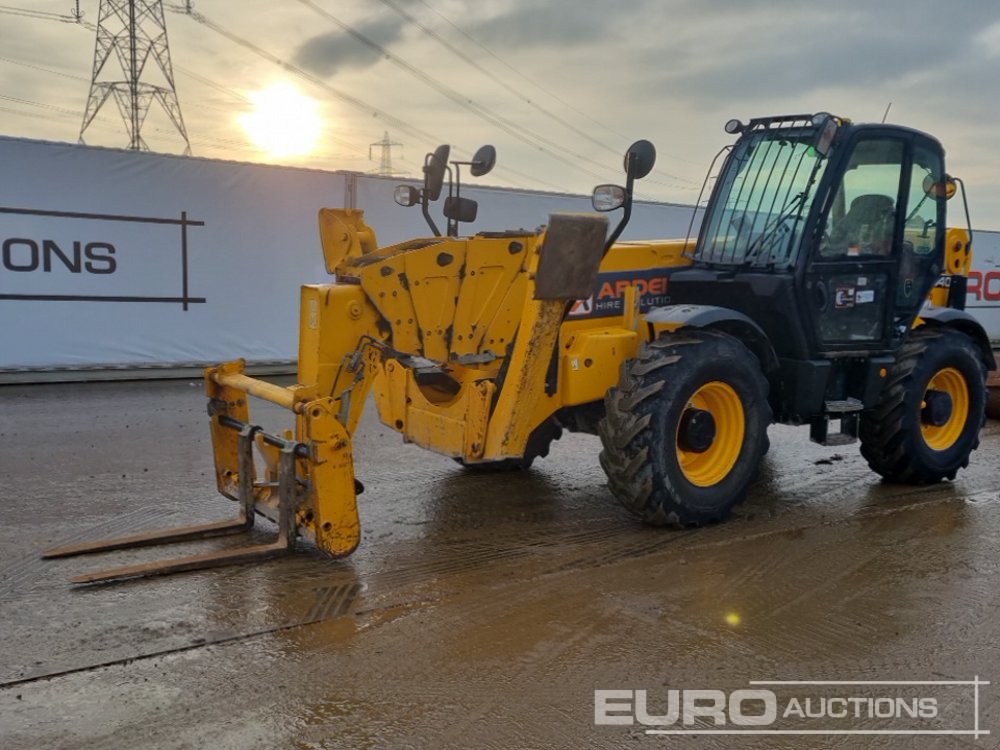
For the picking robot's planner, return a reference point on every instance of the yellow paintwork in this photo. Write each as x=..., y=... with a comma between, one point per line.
x=591, y=363
x=523, y=403
x=459, y=357
x=326, y=504
x=957, y=261
x=625, y=256
x=447, y=337
x=224, y=441
x=330, y=513
x=333, y=318
x=711, y=466
x=344, y=234
x=957, y=252
x=455, y=426
x=950, y=381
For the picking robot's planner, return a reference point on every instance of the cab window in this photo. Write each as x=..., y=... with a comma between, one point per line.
x=922, y=228
x=862, y=216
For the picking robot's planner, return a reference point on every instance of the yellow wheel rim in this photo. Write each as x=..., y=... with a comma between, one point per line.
x=711, y=466
x=952, y=382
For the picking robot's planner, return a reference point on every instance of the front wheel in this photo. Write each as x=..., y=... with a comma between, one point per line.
x=930, y=412
x=686, y=428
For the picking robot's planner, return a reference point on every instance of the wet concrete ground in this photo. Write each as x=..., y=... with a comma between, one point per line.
x=479, y=611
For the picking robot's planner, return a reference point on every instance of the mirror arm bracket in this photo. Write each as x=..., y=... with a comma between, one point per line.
x=453, y=223
x=626, y=215
x=425, y=210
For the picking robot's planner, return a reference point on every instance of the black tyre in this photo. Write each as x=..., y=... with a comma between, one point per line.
x=932, y=407
x=537, y=447
x=686, y=428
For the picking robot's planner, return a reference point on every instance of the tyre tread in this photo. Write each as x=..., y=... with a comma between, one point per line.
x=886, y=432
x=629, y=437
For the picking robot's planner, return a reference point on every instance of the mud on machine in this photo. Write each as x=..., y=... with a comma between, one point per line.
x=824, y=288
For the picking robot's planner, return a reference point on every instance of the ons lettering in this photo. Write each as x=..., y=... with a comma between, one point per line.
x=22, y=255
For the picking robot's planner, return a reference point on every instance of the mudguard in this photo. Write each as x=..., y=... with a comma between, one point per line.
x=673, y=317
x=964, y=322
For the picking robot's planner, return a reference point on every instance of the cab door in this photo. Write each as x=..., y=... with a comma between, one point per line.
x=851, y=273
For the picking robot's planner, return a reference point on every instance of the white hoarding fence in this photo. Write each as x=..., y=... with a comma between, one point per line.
x=114, y=258
x=983, y=299
x=58, y=266
x=117, y=259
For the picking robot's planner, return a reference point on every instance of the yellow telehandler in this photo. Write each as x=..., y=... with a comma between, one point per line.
x=823, y=289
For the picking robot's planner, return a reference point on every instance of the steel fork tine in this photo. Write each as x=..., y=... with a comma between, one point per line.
x=287, y=497
x=243, y=522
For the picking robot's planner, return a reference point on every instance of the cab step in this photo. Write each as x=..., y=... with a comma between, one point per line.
x=847, y=412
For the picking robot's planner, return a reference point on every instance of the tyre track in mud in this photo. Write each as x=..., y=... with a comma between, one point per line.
x=29, y=567
x=340, y=600
x=433, y=533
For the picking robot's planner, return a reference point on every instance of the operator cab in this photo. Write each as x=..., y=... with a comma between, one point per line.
x=853, y=212
x=829, y=235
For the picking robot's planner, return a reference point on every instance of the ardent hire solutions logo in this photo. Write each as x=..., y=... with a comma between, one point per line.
x=801, y=707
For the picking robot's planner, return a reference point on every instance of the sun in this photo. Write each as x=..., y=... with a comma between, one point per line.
x=285, y=122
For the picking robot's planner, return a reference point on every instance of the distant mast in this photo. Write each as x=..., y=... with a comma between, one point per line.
x=385, y=162
x=133, y=33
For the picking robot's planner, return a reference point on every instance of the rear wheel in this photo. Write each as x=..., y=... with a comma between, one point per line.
x=932, y=407
x=686, y=428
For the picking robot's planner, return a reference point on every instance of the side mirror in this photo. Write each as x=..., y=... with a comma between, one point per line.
x=483, y=161
x=607, y=197
x=639, y=159
x=460, y=209
x=824, y=141
x=945, y=188
x=434, y=169
x=406, y=195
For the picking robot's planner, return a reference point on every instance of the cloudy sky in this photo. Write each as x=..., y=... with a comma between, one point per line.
x=560, y=87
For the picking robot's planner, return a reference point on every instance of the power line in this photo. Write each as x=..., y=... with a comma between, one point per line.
x=518, y=131
x=195, y=76
x=42, y=105
x=41, y=14
x=25, y=113
x=289, y=67
x=43, y=70
x=472, y=62
x=531, y=81
x=241, y=146
x=78, y=19
x=392, y=4
x=521, y=133
x=221, y=88
x=220, y=142
x=242, y=98
x=397, y=123
x=514, y=70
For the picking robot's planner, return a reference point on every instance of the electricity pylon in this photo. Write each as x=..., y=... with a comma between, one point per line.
x=134, y=33
x=385, y=163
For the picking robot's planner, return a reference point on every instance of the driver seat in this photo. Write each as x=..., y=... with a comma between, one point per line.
x=878, y=214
